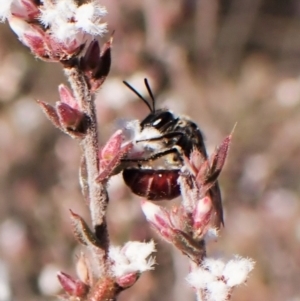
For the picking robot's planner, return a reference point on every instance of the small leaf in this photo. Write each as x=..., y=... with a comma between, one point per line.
x=104, y=63
x=218, y=158
x=194, y=249
x=82, y=232
x=91, y=58
x=100, y=72
x=50, y=112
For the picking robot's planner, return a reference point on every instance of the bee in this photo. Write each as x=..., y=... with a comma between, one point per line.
x=165, y=135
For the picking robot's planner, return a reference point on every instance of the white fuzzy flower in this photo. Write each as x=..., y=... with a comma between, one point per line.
x=68, y=21
x=61, y=11
x=135, y=250
x=217, y=291
x=66, y=9
x=88, y=18
x=236, y=270
x=215, y=266
x=215, y=279
x=5, y=7
x=67, y=33
x=132, y=258
x=209, y=284
x=200, y=278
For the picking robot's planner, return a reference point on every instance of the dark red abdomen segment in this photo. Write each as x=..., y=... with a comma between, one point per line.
x=154, y=185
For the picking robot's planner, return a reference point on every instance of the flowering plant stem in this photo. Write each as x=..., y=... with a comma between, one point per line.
x=97, y=194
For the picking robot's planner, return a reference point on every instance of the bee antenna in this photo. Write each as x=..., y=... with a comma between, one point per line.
x=150, y=93
x=138, y=94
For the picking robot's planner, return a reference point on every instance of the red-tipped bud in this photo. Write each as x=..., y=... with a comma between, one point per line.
x=25, y=9
x=112, y=146
x=71, y=119
x=72, y=286
x=156, y=214
x=42, y=44
x=159, y=219
x=67, y=97
x=111, y=154
x=127, y=280
x=29, y=34
x=202, y=213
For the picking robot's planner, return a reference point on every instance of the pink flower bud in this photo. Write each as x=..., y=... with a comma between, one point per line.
x=202, y=212
x=159, y=218
x=25, y=9
x=30, y=35
x=42, y=43
x=69, y=118
x=71, y=286
x=112, y=146
x=156, y=214
x=110, y=156
x=112, y=166
x=127, y=280
x=67, y=97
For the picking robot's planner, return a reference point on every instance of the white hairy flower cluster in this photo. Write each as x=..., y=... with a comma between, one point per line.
x=215, y=279
x=67, y=19
x=5, y=9
x=132, y=258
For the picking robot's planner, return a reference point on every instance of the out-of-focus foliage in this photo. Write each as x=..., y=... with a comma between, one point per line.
x=220, y=62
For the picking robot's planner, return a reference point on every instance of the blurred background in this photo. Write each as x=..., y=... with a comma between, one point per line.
x=221, y=63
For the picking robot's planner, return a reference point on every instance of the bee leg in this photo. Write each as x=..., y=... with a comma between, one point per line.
x=153, y=157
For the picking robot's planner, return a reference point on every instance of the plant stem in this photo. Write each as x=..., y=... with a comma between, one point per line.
x=97, y=193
